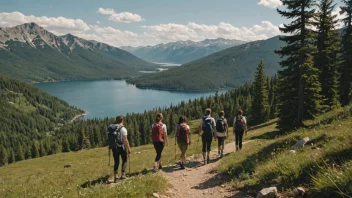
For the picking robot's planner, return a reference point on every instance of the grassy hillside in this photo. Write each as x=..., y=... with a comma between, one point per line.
x=230, y=67
x=323, y=166
x=27, y=116
x=47, y=57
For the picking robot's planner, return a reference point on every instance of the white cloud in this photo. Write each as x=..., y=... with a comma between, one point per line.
x=193, y=31
x=123, y=17
x=50, y=23
x=270, y=3
x=340, y=16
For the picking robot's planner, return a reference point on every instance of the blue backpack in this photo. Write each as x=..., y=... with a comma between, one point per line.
x=207, y=126
x=115, y=136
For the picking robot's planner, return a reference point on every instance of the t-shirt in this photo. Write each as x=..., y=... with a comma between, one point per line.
x=164, y=128
x=208, y=117
x=224, y=133
x=244, y=119
x=123, y=130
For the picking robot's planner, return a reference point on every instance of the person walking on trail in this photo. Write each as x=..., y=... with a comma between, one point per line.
x=207, y=126
x=239, y=127
x=159, y=137
x=222, y=130
x=183, y=139
x=118, y=143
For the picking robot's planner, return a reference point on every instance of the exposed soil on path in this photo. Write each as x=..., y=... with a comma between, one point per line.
x=199, y=180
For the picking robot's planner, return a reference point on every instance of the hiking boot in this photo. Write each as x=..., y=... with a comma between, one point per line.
x=208, y=160
x=221, y=155
x=160, y=166
x=205, y=162
x=123, y=176
x=115, y=180
x=156, y=169
x=182, y=166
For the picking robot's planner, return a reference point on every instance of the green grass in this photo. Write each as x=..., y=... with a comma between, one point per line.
x=324, y=165
x=46, y=176
x=266, y=161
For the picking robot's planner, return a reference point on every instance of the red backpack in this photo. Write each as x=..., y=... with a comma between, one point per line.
x=182, y=133
x=157, y=132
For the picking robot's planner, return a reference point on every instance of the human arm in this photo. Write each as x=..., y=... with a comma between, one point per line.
x=189, y=135
x=214, y=128
x=246, y=128
x=200, y=128
x=165, y=135
x=227, y=129
x=126, y=143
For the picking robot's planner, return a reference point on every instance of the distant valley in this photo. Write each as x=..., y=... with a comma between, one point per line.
x=181, y=51
x=231, y=67
x=30, y=53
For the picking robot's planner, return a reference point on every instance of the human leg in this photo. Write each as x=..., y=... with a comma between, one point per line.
x=240, y=139
x=116, y=156
x=209, y=140
x=124, y=162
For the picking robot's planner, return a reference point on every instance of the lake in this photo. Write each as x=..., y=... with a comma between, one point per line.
x=109, y=98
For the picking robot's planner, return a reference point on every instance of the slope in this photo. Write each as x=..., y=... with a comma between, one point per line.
x=228, y=68
x=29, y=115
x=265, y=161
x=31, y=53
x=182, y=51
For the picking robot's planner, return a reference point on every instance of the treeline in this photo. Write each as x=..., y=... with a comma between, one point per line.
x=29, y=118
x=316, y=71
x=92, y=133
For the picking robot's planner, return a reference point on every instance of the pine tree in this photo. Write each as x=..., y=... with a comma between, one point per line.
x=19, y=153
x=346, y=67
x=273, y=99
x=34, y=150
x=327, y=59
x=260, y=103
x=299, y=85
x=3, y=156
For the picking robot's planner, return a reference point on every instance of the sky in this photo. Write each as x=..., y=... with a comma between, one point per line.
x=148, y=22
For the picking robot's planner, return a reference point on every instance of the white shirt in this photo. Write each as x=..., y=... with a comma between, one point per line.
x=164, y=128
x=244, y=119
x=208, y=117
x=123, y=130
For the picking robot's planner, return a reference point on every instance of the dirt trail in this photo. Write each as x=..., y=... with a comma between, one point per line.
x=199, y=180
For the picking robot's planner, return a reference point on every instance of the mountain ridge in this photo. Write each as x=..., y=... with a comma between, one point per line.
x=181, y=51
x=231, y=67
x=33, y=54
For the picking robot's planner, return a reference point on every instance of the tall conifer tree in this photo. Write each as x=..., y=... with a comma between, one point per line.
x=299, y=85
x=327, y=59
x=260, y=104
x=346, y=67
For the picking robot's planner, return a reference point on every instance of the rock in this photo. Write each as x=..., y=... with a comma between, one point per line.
x=156, y=195
x=68, y=166
x=301, y=191
x=223, y=186
x=300, y=143
x=292, y=151
x=268, y=193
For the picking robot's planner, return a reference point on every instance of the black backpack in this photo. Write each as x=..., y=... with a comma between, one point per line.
x=115, y=136
x=207, y=126
x=221, y=125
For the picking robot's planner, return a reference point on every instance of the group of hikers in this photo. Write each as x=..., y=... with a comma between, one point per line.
x=209, y=129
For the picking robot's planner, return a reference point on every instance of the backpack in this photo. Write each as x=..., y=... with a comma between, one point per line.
x=240, y=124
x=115, y=136
x=207, y=126
x=182, y=133
x=221, y=125
x=157, y=132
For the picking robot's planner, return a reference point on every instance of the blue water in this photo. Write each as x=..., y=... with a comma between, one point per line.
x=109, y=98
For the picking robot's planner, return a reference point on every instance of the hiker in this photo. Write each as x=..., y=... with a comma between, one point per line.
x=118, y=143
x=207, y=125
x=222, y=130
x=239, y=127
x=159, y=135
x=183, y=139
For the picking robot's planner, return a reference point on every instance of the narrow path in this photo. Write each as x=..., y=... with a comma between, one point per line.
x=199, y=180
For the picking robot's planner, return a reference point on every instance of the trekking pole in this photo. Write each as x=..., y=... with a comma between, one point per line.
x=109, y=156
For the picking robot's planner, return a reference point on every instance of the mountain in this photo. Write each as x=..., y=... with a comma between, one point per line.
x=31, y=53
x=231, y=67
x=29, y=115
x=182, y=51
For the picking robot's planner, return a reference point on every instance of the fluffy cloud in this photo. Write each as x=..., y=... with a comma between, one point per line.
x=340, y=16
x=123, y=17
x=59, y=24
x=196, y=32
x=270, y=3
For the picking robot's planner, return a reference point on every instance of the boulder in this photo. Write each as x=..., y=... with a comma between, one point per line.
x=300, y=143
x=67, y=165
x=156, y=195
x=268, y=193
